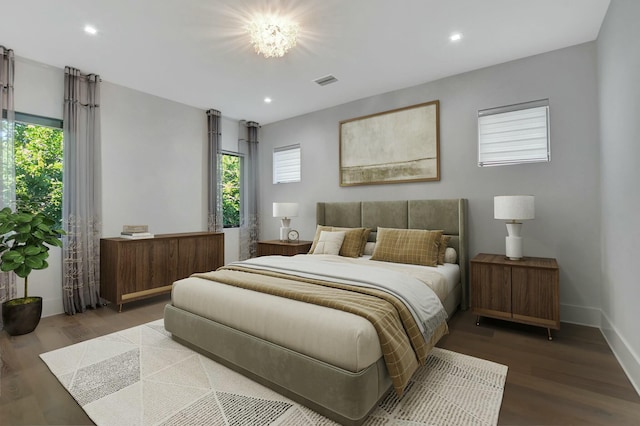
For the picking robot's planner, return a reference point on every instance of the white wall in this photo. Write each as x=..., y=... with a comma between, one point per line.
x=567, y=189
x=153, y=163
x=618, y=65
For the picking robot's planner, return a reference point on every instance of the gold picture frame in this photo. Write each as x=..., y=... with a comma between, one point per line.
x=396, y=146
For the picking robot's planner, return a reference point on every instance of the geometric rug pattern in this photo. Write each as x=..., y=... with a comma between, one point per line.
x=140, y=376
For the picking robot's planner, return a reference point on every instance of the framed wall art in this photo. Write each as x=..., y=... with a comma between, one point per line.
x=401, y=145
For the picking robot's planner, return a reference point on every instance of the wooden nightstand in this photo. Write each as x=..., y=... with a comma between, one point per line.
x=284, y=248
x=525, y=291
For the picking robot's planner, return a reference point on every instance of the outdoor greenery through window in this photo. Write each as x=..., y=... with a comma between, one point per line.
x=231, y=195
x=38, y=164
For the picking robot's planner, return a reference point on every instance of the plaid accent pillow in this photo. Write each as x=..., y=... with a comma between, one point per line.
x=443, y=248
x=413, y=246
x=354, y=240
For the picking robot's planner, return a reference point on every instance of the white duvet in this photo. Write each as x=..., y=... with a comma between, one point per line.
x=417, y=288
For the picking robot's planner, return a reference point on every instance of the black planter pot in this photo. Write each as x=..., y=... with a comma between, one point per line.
x=21, y=318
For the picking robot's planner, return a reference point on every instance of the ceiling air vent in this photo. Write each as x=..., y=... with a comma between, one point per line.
x=327, y=79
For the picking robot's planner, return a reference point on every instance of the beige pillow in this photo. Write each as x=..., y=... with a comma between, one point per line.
x=413, y=246
x=354, y=241
x=450, y=255
x=316, y=237
x=443, y=247
x=369, y=248
x=329, y=242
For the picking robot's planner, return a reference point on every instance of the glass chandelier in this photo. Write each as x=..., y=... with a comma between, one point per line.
x=272, y=36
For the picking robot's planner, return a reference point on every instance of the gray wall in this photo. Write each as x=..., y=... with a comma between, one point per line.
x=567, y=189
x=618, y=65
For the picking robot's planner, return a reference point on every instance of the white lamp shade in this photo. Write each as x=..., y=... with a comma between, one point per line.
x=513, y=207
x=285, y=209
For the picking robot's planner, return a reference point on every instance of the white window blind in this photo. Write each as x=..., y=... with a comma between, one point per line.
x=514, y=134
x=286, y=164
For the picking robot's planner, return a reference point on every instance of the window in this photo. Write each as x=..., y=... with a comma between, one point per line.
x=514, y=134
x=38, y=164
x=231, y=189
x=286, y=164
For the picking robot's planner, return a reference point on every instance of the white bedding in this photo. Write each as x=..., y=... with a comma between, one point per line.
x=339, y=338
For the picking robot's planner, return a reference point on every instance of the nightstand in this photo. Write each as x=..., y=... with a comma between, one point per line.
x=526, y=291
x=284, y=248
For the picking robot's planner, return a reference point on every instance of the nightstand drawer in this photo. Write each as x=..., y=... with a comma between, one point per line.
x=283, y=248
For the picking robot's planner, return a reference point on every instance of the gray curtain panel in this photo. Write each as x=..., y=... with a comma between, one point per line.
x=81, y=200
x=8, y=182
x=214, y=167
x=250, y=223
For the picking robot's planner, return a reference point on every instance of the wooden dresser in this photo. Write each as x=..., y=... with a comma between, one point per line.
x=132, y=269
x=525, y=291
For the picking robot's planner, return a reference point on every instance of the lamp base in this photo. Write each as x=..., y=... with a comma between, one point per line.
x=513, y=247
x=284, y=233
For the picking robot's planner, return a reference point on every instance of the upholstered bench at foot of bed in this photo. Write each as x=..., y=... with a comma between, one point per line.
x=341, y=395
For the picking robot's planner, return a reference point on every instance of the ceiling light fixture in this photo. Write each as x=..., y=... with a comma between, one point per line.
x=267, y=100
x=272, y=36
x=455, y=37
x=90, y=30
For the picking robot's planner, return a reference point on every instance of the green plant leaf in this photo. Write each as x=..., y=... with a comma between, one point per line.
x=33, y=262
x=54, y=241
x=23, y=271
x=23, y=228
x=13, y=256
x=23, y=217
x=8, y=266
x=32, y=250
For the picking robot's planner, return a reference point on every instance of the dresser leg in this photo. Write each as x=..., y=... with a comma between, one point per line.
x=120, y=308
x=549, y=333
x=478, y=320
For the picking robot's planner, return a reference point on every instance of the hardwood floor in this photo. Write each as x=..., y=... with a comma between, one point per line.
x=573, y=380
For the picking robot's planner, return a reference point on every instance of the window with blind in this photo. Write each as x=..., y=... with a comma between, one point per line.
x=514, y=134
x=286, y=164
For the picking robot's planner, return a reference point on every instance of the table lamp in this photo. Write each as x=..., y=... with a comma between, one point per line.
x=285, y=211
x=514, y=209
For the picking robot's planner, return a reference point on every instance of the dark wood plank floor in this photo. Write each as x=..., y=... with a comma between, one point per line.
x=573, y=380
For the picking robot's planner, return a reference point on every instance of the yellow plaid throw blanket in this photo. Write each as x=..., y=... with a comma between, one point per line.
x=403, y=345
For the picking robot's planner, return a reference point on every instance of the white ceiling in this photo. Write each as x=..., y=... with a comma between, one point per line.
x=197, y=52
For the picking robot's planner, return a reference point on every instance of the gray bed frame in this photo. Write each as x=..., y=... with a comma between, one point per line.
x=341, y=395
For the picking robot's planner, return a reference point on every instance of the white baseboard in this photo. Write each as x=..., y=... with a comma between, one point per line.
x=595, y=317
x=581, y=315
x=52, y=306
x=628, y=359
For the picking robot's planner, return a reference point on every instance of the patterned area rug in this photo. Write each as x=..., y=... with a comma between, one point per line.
x=140, y=376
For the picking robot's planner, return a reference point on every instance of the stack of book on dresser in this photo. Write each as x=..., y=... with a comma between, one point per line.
x=134, y=232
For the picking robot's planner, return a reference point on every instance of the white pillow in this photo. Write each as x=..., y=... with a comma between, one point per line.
x=450, y=255
x=369, y=247
x=329, y=242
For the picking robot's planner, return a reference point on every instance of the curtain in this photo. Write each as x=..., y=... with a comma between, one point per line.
x=8, y=185
x=214, y=167
x=81, y=199
x=249, y=228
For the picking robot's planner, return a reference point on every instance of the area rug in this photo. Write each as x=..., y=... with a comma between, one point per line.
x=140, y=376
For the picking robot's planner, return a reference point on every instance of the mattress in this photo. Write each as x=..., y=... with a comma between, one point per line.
x=338, y=338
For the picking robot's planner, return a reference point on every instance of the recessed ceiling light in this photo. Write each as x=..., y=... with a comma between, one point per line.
x=455, y=37
x=267, y=100
x=89, y=29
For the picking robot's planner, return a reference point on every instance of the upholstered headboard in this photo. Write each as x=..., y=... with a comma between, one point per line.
x=450, y=215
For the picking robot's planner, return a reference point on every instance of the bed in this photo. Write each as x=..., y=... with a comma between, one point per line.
x=332, y=361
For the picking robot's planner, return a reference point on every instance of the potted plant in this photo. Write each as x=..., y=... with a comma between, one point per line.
x=23, y=248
